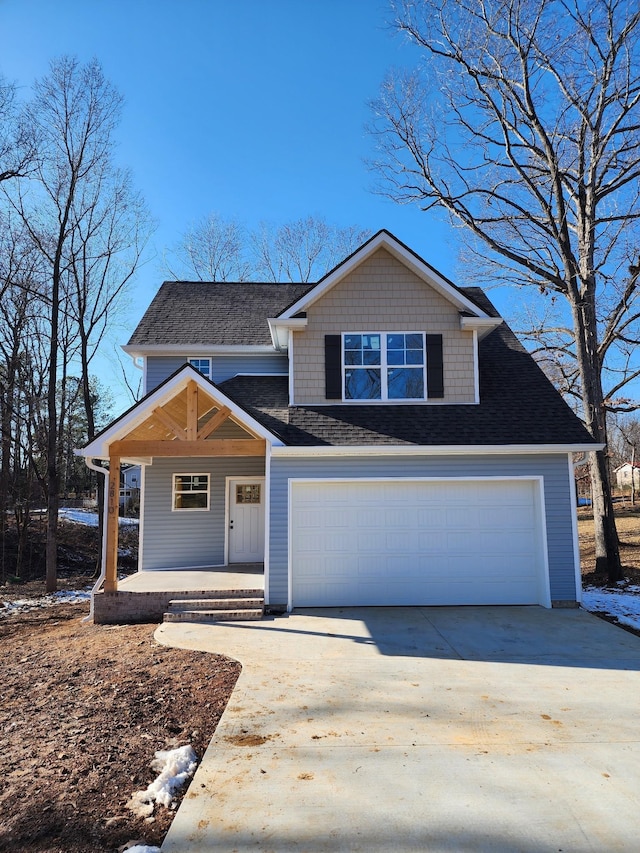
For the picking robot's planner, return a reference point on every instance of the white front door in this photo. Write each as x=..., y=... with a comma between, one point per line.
x=246, y=520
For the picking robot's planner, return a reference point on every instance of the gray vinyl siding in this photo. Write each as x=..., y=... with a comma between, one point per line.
x=228, y=366
x=553, y=468
x=188, y=539
x=229, y=429
x=159, y=367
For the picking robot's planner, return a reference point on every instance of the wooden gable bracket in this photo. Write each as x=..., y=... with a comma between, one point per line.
x=192, y=410
x=171, y=424
x=182, y=449
x=217, y=420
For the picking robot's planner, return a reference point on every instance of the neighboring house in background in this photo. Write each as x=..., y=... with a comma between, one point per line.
x=377, y=438
x=129, y=483
x=624, y=473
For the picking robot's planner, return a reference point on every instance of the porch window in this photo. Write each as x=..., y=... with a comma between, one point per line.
x=202, y=365
x=190, y=492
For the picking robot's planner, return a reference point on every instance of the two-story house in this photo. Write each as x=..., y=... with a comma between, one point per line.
x=377, y=438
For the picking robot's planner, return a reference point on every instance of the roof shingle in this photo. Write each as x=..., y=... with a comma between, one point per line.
x=518, y=406
x=207, y=313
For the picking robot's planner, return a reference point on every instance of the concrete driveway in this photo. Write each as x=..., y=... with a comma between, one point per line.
x=419, y=729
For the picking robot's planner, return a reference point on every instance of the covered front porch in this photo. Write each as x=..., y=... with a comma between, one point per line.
x=147, y=596
x=203, y=498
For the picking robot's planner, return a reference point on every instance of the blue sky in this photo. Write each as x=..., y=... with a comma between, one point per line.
x=254, y=109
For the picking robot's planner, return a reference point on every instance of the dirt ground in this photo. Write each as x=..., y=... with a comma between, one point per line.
x=83, y=709
x=628, y=524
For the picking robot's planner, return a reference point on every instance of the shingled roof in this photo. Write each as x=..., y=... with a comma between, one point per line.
x=207, y=313
x=518, y=406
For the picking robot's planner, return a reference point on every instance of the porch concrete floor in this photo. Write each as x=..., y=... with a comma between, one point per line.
x=236, y=576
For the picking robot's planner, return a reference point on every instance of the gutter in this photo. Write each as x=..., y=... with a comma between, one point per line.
x=103, y=561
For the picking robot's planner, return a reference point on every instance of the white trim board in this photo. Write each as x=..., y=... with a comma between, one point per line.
x=434, y=450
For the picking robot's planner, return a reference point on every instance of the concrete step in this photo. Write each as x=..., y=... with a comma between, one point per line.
x=214, y=615
x=216, y=603
x=234, y=605
x=219, y=593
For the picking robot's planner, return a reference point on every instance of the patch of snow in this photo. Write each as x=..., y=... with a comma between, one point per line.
x=623, y=606
x=84, y=516
x=79, y=516
x=175, y=767
x=61, y=597
x=142, y=848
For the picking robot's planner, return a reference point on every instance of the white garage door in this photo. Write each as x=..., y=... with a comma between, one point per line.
x=416, y=542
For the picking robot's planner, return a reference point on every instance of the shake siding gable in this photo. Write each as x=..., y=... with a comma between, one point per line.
x=382, y=295
x=188, y=539
x=552, y=467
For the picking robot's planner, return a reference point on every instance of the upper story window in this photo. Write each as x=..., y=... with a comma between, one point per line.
x=203, y=365
x=384, y=366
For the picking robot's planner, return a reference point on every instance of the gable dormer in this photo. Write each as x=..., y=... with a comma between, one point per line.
x=383, y=327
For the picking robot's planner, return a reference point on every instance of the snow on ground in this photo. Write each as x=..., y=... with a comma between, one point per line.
x=174, y=767
x=85, y=516
x=62, y=597
x=623, y=604
x=143, y=848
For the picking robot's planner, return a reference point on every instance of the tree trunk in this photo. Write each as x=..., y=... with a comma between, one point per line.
x=53, y=476
x=604, y=524
x=5, y=463
x=88, y=401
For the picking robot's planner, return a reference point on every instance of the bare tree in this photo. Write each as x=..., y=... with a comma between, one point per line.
x=303, y=250
x=523, y=123
x=212, y=249
x=17, y=150
x=104, y=252
x=219, y=249
x=71, y=120
x=19, y=310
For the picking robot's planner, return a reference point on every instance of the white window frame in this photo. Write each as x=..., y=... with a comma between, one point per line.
x=384, y=366
x=201, y=358
x=175, y=492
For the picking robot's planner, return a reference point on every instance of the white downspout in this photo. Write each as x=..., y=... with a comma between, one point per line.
x=103, y=562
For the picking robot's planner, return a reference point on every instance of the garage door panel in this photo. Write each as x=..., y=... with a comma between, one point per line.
x=416, y=542
x=432, y=518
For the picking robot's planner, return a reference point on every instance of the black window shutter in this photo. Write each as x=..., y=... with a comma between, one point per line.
x=435, y=370
x=332, y=366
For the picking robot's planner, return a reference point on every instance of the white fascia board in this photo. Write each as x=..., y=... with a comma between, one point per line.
x=435, y=450
x=196, y=349
x=99, y=448
x=280, y=330
x=483, y=325
x=401, y=253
